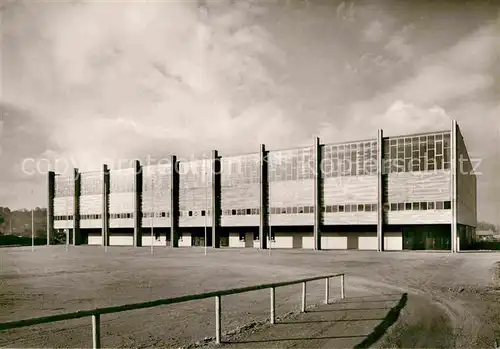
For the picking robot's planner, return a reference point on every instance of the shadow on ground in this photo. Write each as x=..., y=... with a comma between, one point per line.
x=358, y=323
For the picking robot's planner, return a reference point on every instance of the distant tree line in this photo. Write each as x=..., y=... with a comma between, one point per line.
x=18, y=222
x=487, y=226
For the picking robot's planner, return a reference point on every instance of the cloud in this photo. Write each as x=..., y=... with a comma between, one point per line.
x=374, y=31
x=118, y=80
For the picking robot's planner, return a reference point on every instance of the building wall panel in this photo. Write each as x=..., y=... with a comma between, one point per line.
x=291, y=193
x=63, y=206
x=121, y=197
x=345, y=218
x=419, y=217
x=282, y=240
x=466, y=185
x=240, y=178
x=195, y=192
x=291, y=219
x=240, y=221
x=234, y=240
x=121, y=239
x=195, y=221
x=393, y=241
x=91, y=199
x=90, y=223
x=185, y=241
x=368, y=242
x=308, y=242
x=419, y=186
x=95, y=239
x=331, y=241
x=121, y=223
x=157, y=190
x=121, y=202
x=161, y=241
x=91, y=204
x=350, y=190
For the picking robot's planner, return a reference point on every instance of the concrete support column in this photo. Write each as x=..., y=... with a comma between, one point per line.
x=381, y=180
x=51, y=179
x=264, y=198
x=216, y=199
x=318, y=194
x=138, y=184
x=77, y=238
x=453, y=174
x=174, y=202
x=105, y=205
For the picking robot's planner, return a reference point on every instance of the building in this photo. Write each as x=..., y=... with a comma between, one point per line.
x=486, y=235
x=386, y=193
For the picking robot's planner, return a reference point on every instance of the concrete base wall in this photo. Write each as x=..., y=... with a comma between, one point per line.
x=121, y=239
x=161, y=241
x=186, y=240
x=95, y=239
x=234, y=240
x=368, y=242
x=393, y=241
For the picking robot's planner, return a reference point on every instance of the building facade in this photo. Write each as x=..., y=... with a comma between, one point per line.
x=387, y=193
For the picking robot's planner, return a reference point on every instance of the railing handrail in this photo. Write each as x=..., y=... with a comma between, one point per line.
x=155, y=303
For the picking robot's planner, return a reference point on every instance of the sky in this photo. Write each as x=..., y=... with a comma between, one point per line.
x=87, y=82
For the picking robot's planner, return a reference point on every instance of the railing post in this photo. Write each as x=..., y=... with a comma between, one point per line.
x=273, y=304
x=303, y=307
x=342, y=293
x=217, y=319
x=327, y=290
x=96, y=331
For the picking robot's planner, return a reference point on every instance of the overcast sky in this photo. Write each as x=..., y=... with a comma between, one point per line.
x=89, y=81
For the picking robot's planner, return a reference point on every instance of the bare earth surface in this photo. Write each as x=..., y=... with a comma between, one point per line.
x=393, y=299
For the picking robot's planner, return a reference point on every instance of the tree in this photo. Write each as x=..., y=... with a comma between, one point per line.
x=2, y=220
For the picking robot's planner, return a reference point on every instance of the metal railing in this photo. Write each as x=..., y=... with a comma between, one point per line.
x=96, y=313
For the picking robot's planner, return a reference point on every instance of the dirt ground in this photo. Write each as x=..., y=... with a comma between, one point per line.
x=393, y=299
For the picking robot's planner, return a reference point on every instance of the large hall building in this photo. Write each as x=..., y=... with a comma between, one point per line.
x=387, y=193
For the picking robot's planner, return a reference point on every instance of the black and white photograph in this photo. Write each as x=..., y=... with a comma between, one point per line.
x=250, y=174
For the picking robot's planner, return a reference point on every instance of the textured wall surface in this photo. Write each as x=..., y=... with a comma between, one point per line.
x=121, y=239
x=195, y=193
x=91, y=199
x=419, y=217
x=419, y=186
x=156, y=189
x=95, y=239
x=121, y=197
x=393, y=241
x=466, y=185
x=344, y=218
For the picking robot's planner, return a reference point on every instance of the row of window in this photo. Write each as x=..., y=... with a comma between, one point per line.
x=418, y=206
x=240, y=170
x=405, y=154
x=418, y=153
x=401, y=206
x=289, y=165
x=353, y=159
